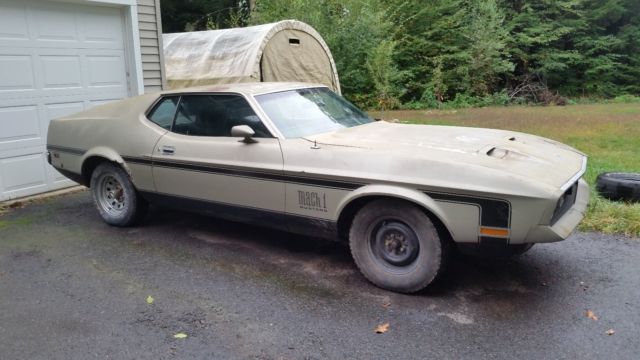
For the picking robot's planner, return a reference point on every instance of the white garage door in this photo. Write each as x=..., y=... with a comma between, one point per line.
x=55, y=59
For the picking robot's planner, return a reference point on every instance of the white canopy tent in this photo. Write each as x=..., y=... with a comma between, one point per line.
x=288, y=50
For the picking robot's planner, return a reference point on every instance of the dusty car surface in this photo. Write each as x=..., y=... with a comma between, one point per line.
x=300, y=158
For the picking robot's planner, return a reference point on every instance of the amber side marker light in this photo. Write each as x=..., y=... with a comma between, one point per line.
x=494, y=232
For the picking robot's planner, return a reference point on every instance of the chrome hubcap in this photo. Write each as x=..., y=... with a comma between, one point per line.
x=111, y=195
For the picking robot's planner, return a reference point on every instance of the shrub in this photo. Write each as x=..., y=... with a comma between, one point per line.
x=625, y=99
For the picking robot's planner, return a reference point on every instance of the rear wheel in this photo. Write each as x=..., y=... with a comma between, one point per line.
x=115, y=196
x=396, y=246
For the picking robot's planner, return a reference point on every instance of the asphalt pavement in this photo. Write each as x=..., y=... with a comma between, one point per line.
x=72, y=287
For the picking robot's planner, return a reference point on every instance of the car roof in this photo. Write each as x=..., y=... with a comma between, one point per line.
x=254, y=88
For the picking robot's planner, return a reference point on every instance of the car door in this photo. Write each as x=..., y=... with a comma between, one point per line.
x=198, y=164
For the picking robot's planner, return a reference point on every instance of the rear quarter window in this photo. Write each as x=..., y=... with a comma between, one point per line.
x=164, y=112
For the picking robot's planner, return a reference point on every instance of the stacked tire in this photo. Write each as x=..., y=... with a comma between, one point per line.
x=619, y=186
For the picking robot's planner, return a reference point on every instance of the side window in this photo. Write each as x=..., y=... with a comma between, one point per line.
x=215, y=115
x=164, y=112
x=239, y=112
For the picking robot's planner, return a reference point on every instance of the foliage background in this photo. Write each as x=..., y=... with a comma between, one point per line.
x=438, y=53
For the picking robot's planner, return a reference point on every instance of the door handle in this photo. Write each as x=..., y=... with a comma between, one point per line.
x=168, y=150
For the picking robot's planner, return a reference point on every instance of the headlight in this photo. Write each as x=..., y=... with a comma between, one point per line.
x=565, y=202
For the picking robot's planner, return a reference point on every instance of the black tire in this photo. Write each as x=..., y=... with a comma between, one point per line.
x=619, y=186
x=396, y=246
x=115, y=196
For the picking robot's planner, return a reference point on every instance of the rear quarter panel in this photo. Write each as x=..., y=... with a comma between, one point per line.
x=112, y=131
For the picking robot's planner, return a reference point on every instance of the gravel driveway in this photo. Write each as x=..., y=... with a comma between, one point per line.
x=72, y=287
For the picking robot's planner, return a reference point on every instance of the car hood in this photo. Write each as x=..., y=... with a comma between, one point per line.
x=533, y=158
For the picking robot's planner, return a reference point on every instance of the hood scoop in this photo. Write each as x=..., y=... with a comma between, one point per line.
x=509, y=154
x=497, y=152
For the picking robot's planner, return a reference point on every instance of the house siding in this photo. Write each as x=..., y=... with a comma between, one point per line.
x=150, y=27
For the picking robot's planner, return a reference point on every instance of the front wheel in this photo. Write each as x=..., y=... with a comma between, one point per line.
x=115, y=196
x=396, y=246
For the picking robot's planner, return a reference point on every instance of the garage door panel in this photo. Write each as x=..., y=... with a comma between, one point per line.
x=105, y=71
x=23, y=172
x=16, y=72
x=61, y=71
x=55, y=22
x=102, y=27
x=13, y=22
x=20, y=127
x=62, y=109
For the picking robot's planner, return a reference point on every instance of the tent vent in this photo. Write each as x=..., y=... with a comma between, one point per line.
x=294, y=41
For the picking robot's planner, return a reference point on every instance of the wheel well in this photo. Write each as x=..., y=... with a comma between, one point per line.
x=349, y=212
x=89, y=165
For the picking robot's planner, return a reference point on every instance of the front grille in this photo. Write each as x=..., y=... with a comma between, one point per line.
x=565, y=202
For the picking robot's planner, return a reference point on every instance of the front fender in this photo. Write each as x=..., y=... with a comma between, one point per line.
x=399, y=192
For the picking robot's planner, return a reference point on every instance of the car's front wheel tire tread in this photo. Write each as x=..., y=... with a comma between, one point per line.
x=425, y=269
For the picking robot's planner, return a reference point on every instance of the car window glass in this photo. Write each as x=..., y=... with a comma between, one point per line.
x=164, y=112
x=215, y=115
x=304, y=112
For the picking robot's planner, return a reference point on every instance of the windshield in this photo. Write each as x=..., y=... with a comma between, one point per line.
x=303, y=112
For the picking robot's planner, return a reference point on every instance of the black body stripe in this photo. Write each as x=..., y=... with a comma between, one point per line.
x=69, y=150
x=494, y=212
x=250, y=173
x=137, y=160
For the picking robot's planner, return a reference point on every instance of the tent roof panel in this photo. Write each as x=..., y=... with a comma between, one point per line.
x=230, y=55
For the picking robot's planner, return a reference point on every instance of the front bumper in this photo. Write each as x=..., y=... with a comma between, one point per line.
x=565, y=225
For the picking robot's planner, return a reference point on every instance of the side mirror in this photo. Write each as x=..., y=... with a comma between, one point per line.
x=243, y=131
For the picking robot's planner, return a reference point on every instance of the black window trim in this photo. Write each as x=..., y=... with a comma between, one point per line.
x=203, y=93
x=157, y=103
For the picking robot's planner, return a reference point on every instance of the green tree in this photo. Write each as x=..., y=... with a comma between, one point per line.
x=488, y=58
x=193, y=15
x=432, y=38
x=541, y=37
x=609, y=44
x=385, y=75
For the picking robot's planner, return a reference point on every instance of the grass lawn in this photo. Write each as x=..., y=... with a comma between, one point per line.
x=608, y=133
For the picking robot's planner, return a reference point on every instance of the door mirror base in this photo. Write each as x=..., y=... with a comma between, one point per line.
x=245, y=132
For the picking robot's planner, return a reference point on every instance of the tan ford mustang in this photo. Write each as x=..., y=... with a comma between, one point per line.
x=298, y=157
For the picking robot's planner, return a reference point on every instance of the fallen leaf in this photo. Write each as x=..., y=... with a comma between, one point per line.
x=610, y=332
x=382, y=328
x=149, y=300
x=180, y=335
x=591, y=315
x=584, y=286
